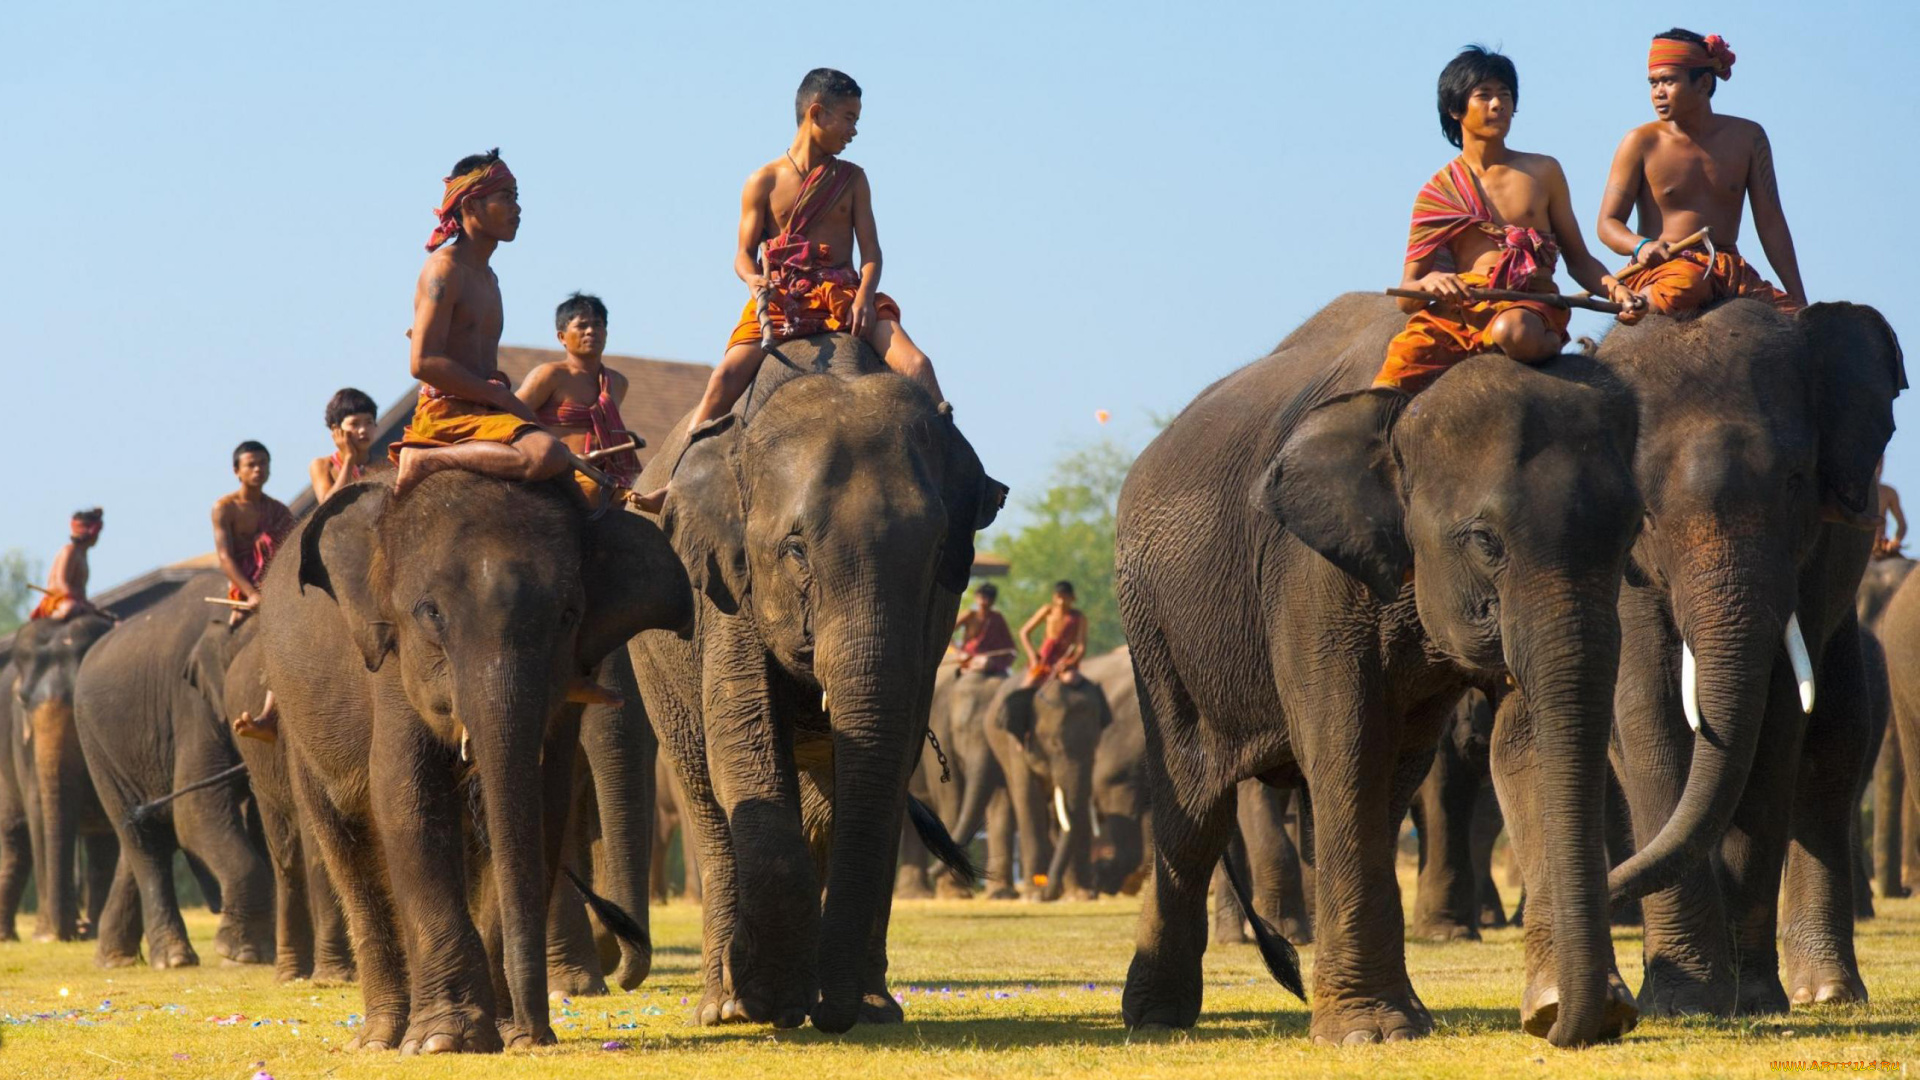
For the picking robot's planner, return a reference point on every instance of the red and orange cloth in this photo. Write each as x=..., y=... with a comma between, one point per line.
x=477, y=184
x=990, y=640
x=807, y=293
x=276, y=521
x=441, y=419
x=1712, y=53
x=1690, y=280
x=1052, y=660
x=605, y=428
x=1450, y=204
x=48, y=604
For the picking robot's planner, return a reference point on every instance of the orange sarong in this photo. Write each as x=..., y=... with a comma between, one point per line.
x=835, y=300
x=1438, y=338
x=443, y=421
x=1689, y=281
x=48, y=605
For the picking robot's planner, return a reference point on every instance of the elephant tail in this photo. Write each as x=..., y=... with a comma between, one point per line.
x=141, y=814
x=1282, y=960
x=940, y=841
x=612, y=915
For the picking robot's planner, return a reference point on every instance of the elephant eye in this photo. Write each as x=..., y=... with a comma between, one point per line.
x=1484, y=543
x=428, y=614
x=794, y=548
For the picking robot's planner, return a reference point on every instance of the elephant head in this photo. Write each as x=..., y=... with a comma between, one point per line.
x=1058, y=727
x=1761, y=434
x=479, y=602
x=837, y=524
x=46, y=661
x=1505, y=492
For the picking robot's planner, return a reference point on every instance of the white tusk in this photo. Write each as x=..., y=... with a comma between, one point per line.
x=1802, y=667
x=1690, y=686
x=1060, y=810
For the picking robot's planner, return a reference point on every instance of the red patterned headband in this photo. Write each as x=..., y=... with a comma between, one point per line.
x=477, y=184
x=1713, y=53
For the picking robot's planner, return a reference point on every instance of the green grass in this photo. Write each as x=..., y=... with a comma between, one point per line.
x=992, y=989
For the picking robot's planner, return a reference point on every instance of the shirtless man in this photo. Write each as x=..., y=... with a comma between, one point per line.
x=986, y=642
x=467, y=417
x=1066, y=641
x=1493, y=218
x=248, y=526
x=579, y=398
x=66, y=592
x=1884, y=546
x=350, y=418
x=800, y=215
x=1695, y=168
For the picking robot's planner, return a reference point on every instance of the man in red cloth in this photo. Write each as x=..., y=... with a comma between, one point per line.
x=578, y=398
x=800, y=216
x=467, y=417
x=1494, y=218
x=1065, y=644
x=1695, y=168
x=987, y=643
x=66, y=592
x=248, y=526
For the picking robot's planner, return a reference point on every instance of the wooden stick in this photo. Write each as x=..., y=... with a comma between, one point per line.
x=41, y=589
x=1550, y=299
x=1636, y=266
x=596, y=455
x=246, y=605
x=591, y=473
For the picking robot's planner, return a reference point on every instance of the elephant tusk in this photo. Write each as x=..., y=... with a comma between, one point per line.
x=1802, y=666
x=1690, y=686
x=1060, y=810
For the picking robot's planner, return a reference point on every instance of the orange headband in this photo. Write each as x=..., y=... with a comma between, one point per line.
x=1713, y=53
x=474, y=185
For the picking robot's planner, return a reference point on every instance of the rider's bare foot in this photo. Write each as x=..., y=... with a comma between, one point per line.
x=649, y=503
x=414, y=466
x=585, y=691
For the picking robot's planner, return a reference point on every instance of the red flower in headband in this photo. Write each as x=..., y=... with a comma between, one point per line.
x=477, y=184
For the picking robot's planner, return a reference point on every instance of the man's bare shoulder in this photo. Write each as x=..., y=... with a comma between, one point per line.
x=1644, y=136
x=761, y=179
x=1539, y=166
x=224, y=505
x=274, y=503
x=616, y=382
x=440, y=272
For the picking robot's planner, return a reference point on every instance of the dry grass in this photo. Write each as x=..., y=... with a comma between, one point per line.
x=991, y=989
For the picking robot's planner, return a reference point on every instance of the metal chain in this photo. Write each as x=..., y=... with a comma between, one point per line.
x=946, y=776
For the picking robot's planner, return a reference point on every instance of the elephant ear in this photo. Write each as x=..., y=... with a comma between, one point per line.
x=206, y=666
x=1859, y=372
x=634, y=581
x=973, y=502
x=338, y=556
x=1016, y=713
x=705, y=517
x=1336, y=485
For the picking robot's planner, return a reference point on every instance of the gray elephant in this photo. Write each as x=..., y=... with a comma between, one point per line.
x=16, y=833
x=1899, y=635
x=669, y=818
x=1269, y=842
x=63, y=811
x=1759, y=438
x=421, y=651
x=973, y=795
x=1458, y=820
x=147, y=730
x=1045, y=739
x=827, y=525
x=1504, y=493
x=1894, y=844
x=1120, y=779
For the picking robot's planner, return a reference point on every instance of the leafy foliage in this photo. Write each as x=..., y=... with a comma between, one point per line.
x=17, y=572
x=1066, y=533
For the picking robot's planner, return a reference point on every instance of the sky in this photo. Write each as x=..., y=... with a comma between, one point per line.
x=215, y=212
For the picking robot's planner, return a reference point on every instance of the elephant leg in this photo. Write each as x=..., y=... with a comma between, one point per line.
x=1689, y=967
x=119, y=936
x=293, y=918
x=1619, y=833
x=355, y=868
x=1273, y=861
x=910, y=880
x=16, y=839
x=1229, y=918
x=1515, y=772
x=573, y=957
x=149, y=851
x=1889, y=799
x=1753, y=851
x=332, y=939
x=1818, y=937
x=1001, y=829
x=621, y=752
x=1032, y=800
x=1491, y=911
x=1193, y=815
x=101, y=850
x=1446, y=900
x=212, y=825
x=1128, y=847
x=1300, y=831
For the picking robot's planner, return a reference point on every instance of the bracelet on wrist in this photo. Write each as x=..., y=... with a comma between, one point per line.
x=1638, y=246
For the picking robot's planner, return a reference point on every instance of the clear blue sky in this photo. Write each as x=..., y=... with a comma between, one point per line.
x=215, y=212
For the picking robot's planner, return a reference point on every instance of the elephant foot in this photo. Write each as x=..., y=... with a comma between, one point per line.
x=515, y=1037
x=878, y=1007
x=1079, y=895
x=246, y=955
x=1445, y=930
x=42, y=937
x=177, y=955
x=1397, y=1016
x=999, y=892
x=1760, y=994
x=634, y=967
x=571, y=981
x=1540, y=1007
x=1231, y=931
x=1493, y=917
x=911, y=884
x=744, y=1010
x=291, y=969
x=949, y=889
x=111, y=960
x=380, y=1031
x=1296, y=931
x=1161, y=995
x=452, y=1029
x=1667, y=991
x=1827, y=983
x=333, y=974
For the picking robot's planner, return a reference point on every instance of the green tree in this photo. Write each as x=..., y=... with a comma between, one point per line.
x=17, y=572
x=1066, y=533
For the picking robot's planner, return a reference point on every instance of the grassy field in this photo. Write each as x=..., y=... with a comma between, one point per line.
x=991, y=989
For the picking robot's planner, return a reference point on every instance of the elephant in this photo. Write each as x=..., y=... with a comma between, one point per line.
x=669, y=817
x=1458, y=819
x=63, y=810
x=311, y=939
x=1280, y=880
x=957, y=722
x=827, y=525
x=1895, y=846
x=1760, y=434
x=1899, y=635
x=421, y=650
x=147, y=730
x=1389, y=554
x=1120, y=780
x=16, y=834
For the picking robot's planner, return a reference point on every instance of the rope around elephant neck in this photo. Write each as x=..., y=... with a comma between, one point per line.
x=945, y=775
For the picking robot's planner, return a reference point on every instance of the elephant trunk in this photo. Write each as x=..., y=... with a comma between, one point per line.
x=506, y=732
x=1732, y=646
x=1564, y=652
x=1071, y=802
x=983, y=779
x=878, y=724
x=56, y=753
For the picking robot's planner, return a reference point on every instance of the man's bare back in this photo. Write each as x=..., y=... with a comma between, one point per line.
x=1693, y=181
